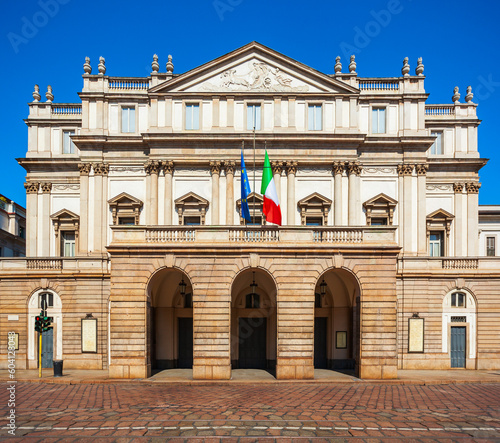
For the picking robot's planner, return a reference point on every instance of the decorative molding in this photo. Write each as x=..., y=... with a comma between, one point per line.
x=379, y=171
x=100, y=168
x=439, y=187
x=84, y=168
x=32, y=187
x=66, y=187
x=123, y=169
x=458, y=187
x=472, y=188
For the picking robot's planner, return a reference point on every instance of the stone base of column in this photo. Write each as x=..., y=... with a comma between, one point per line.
x=295, y=369
x=378, y=369
x=129, y=371
x=211, y=371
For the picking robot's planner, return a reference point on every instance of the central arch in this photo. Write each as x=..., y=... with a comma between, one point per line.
x=170, y=320
x=336, y=321
x=253, y=321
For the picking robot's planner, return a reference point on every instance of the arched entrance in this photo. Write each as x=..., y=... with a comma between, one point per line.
x=336, y=321
x=170, y=320
x=52, y=339
x=253, y=321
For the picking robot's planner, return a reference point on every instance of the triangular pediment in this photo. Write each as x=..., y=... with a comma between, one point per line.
x=191, y=198
x=64, y=214
x=315, y=199
x=254, y=68
x=381, y=200
x=440, y=214
x=250, y=199
x=125, y=199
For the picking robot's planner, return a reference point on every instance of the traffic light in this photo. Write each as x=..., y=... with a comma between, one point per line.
x=38, y=324
x=46, y=324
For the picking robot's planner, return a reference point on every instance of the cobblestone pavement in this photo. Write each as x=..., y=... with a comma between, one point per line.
x=252, y=412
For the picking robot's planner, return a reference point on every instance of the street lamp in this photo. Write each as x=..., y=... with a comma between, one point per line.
x=182, y=287
x=322, y=287
x=253, y=285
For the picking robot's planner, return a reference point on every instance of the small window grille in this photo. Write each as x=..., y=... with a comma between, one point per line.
x=461, y=319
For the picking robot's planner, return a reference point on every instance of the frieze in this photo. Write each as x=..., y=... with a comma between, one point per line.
x=379, y=171
x=439, y=187
x=66, y=187
x=126, y=169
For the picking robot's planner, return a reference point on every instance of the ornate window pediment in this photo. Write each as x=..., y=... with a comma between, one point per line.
x=440, y=220
x=191, y=209
x=380, y=210
x=125, y=209
x=67, y=223
x=314, y=209
x=255, y=204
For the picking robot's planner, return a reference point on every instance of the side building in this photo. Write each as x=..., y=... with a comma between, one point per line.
x=12, y=228
x=136, y=239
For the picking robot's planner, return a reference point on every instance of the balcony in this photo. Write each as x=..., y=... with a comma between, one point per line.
x=55, y=264
x=448, y=265
x=255, y=235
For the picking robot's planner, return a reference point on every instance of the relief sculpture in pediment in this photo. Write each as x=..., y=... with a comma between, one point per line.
x=259, y=77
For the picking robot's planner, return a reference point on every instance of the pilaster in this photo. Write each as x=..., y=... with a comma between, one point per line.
x=168, y=168
x=31, y=217
x=338, y=171
x=421, y=209
x=100, y=170
x=460, y=244
x=153, y=168
x=354, y=170
x=406, y=171
x=215, y=167
x=472, y=217
x=84, y=207
x=230, y=165
x=291, y=170
x=45, y=219
x=277, y=167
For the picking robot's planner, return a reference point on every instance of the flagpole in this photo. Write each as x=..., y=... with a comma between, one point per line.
x=254, y=188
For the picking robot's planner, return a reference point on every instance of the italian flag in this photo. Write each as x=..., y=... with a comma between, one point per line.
x=271, y=208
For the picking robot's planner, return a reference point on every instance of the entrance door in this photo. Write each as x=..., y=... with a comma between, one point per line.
x=458, y=347
x=47, y=348
x=320, y=327
x=252, y=343
x=185, y=358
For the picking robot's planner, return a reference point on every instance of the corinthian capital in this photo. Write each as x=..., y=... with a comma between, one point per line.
x=230, y=165
x=422, y=169
x=354, y=168
x=84, y=168
x=100, y=168
x=215, y=167
x=291, y=167
x=46, y=187
x=405, y=169
x=458, y=188
x=152, y=167
x=168, y=166
x=338, y=168
x=277, y=167
x=472, y=188
x=32, y=187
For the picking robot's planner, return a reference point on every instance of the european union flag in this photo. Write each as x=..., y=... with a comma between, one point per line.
x=245, y=191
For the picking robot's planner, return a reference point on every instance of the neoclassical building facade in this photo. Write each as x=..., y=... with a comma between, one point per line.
x=136, y=239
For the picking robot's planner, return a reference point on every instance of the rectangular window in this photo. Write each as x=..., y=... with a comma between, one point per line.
x=314, y=221
x=192, y=221
x=46, y=297
x=67, y=244
x=378, y=121
x=437, y=146
x=436, y=244
x=128, y=119
x=379, y=221
x=490, y=247
x=193, y=116
x=315, y=118
x=253, y=117
x=68, y=145
x=458, y=300
x=126, y=220
x=22, y=232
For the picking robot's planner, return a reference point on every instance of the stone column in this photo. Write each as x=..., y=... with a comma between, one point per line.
x=354, y=170
x=168, y=168
x=230, y=165
x=277, y=167
x=458, y=188
x=406, y=170
x=153, y=168
x=291, y=170
x=45, y=219
x=215, y=170
x=338, y=170
x=31, y=217
x=421, y=209
x=84, y=208
x=100, y=170
x=472, y=218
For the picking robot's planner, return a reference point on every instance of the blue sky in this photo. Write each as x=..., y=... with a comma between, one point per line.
x=45, y=42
